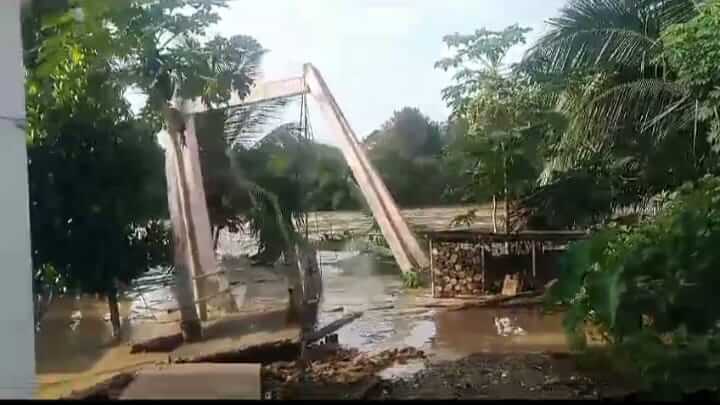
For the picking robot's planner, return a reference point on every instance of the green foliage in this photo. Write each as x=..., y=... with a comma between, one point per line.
x=97, y=198
x=225, y=199
x=297, y=176
x=98, y=203
x=156, y=47
x=506, y=116
x=485, y=48
x=650, y=290
x=691, y=49
x=411, y=280
x=633, y=130
x=409, y=147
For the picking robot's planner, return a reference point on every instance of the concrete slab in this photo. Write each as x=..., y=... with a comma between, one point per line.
x=197, y=381
x=235, y=333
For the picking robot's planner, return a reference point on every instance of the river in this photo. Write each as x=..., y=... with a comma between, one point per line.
x=74, y=343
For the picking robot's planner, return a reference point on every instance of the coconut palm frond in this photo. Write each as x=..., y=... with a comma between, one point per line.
x=267, y=218
x=646, y=107
x=600, y=33
x=646, y=103
x=246, y=124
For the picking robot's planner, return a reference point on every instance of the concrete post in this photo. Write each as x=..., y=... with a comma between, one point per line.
x=17, y=332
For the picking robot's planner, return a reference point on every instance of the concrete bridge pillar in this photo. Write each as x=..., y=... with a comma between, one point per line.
x=17, y=332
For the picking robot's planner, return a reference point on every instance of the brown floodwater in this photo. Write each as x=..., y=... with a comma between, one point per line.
x=392, y=317
x=74, y=345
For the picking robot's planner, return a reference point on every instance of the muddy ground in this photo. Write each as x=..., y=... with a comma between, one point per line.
x=497, y=376
x=478, y=376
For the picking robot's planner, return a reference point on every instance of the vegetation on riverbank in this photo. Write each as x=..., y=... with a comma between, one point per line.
x=610, y=121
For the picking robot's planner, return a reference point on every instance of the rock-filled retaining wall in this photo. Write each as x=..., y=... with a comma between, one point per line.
x=462, y=268
x=457, y=269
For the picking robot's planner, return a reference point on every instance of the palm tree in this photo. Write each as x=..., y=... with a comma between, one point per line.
x=605, y=57
x=627, y=120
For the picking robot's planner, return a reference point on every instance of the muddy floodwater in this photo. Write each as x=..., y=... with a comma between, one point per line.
x=74, y=342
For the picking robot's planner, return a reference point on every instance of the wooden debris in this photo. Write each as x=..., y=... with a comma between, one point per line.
x=345, y=367
x=503, y=300
x=511, y=285
x=332, y=327
x=381, y=308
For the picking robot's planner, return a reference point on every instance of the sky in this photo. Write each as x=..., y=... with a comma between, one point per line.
x=376, y=56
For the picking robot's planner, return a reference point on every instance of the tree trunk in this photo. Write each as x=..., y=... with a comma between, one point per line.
x=114, y=312
x=505, y=195
x=494, y=213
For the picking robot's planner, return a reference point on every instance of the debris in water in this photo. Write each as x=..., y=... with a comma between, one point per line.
x=505, y=328
x=331, y=327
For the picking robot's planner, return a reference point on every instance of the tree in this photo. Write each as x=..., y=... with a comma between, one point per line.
x=96, y=188
x=408, y=147
x=93, y=52
x=605, y=66
x=649, y=290
x=300, y=174
x=408, y=133
x=690, y=49
x=606, y=60
x=503, y=111
x=637, y=82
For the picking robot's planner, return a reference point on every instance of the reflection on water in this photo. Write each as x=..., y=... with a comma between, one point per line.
x=74, y=346
x=392, y=318
x=473, y=331
x=71, y=345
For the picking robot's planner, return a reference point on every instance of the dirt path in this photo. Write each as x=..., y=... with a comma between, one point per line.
x=498, y=376
x=479, y=376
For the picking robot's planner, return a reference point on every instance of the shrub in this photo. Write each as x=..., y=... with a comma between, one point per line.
x=651, y=291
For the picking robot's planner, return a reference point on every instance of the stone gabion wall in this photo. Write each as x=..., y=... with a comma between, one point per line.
x=457, y=269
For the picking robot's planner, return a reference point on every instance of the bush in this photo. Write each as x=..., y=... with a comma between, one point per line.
x=651, y=291
x=411, y=280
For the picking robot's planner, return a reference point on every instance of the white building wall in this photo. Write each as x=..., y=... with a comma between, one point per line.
x=17, y=334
